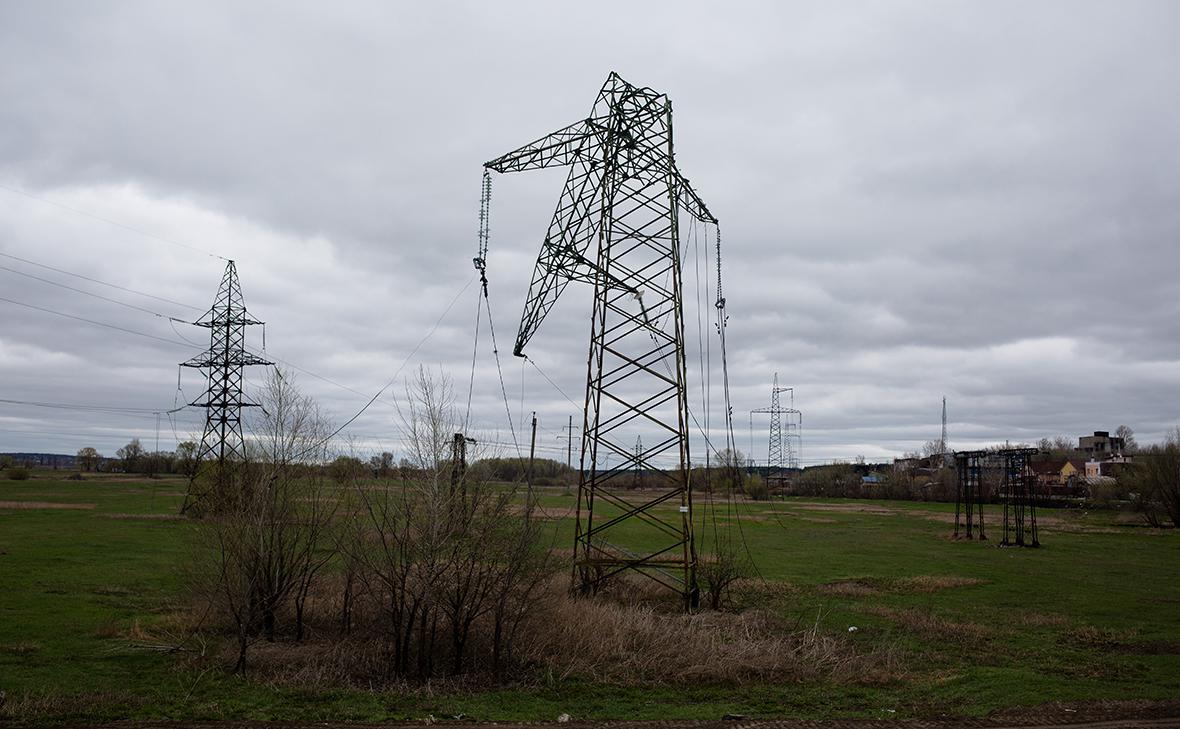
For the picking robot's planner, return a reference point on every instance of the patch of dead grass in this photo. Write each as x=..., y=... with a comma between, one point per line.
x=927, y=623
x=44, y=505
x=868, y=586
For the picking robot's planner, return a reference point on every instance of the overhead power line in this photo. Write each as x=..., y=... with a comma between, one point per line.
x=95, y=323
x=103, y=283
x=89, y=293
x=108, y=221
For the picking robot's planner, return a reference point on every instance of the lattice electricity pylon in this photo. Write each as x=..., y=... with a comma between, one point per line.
x=1018, y=491
x=943, y=447
x=638, y=482
x=617, y=227
x=969, y=495
x=223, y=401
x=785, y=437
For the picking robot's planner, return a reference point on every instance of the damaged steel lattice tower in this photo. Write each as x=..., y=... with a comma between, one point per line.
x=223, y=401
x=1018, y=490
x=617, y=228
x=969, y=496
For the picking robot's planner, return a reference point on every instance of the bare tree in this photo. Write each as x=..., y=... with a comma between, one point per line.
x=130, y=454
x=1128, y=436
x=268, y=538
x=1153, y=480
x=448, y=553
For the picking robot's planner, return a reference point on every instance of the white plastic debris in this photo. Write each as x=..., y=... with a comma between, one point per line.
x=564, y=718
x=852, y=628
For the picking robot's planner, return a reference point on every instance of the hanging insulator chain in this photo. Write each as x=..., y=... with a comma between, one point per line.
x=485, y=200
x=723, y=319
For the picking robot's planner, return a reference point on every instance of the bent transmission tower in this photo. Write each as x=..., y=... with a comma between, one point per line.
x=223, y=401
x=617, y=228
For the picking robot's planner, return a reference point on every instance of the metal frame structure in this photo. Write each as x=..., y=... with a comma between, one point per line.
x=781, y=453
x=222, y=399
x=617, y=228
x=969, y=494
x=1018, y=491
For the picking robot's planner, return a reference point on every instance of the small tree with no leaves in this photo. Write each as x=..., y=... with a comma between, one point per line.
x=263, y=547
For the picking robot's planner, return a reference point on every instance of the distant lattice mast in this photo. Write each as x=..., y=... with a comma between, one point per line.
x=785, y=441
x=222, y=442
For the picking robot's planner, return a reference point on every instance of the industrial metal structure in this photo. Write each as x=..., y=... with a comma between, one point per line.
x=786, y=437
x=943, y=449
x=617, y=227
x=969, y=494
x=222, y=442
x=1018, y=492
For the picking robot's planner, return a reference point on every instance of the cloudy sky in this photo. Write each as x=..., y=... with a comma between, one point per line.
x=977, y=200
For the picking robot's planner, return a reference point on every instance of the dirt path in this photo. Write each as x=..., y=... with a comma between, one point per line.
x=1106, y=715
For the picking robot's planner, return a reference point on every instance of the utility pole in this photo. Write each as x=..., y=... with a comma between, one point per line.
x=569, y=443
x=617, y=228
x=223, y=362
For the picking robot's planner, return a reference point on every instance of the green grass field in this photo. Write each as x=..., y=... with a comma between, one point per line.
x=1093, y=615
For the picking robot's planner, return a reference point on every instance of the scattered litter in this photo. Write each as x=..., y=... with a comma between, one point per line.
x=563, y=719
x=733, y=717
x=852, y=628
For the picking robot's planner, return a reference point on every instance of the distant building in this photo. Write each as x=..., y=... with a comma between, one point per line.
x=1101, y=445
x=1098, y=471
x=1058, y=478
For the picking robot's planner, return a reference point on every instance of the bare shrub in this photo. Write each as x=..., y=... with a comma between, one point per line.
x=264, y=537
x=1153, y=481
x=719, y=571
x=451, y=560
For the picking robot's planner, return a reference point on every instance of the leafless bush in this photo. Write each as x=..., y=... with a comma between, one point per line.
x=453, y=561
x=1153, y=481
x=264, y=536
x=720, y=570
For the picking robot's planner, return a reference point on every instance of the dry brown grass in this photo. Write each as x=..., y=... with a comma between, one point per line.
x=23, y=705
x=927, y=623
x=20, y=648
x=1089, y=636
x=44, y=505
x=634, y=634
x=149, y=517
x=934, y=583
x=848, y=588
x=869, y=586
x=642, y=645
x=1041, y=620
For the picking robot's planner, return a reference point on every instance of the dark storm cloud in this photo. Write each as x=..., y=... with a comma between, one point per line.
x=969, y=199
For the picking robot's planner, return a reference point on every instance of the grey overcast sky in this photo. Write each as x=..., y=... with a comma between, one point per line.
x=918, y=199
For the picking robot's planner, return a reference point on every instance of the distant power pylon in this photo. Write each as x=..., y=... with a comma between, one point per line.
x=617, y=228
x=1018, y=491
x=639, y=461
x=942, y=442
x=786, y=437
x=223, y=362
